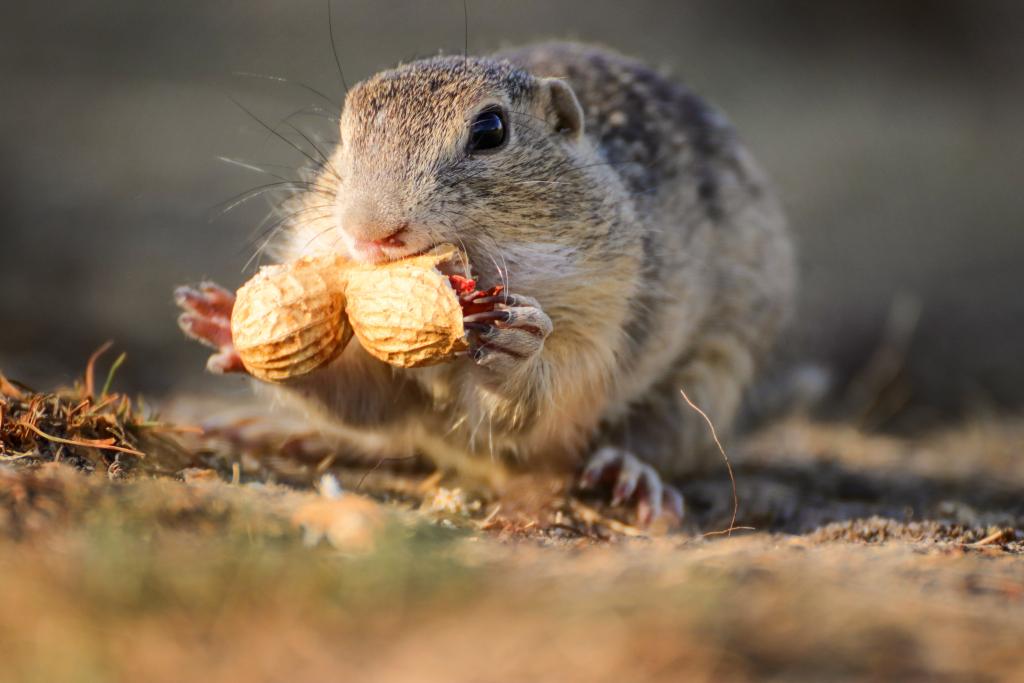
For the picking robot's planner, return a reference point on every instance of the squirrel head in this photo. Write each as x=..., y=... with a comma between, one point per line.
x=470, y=151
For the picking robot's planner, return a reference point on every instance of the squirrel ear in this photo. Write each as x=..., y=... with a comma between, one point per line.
x=563, y=109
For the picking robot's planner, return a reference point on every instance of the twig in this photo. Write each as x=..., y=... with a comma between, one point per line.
x=325, y=463
x=728, y=466
x=485, y=522
x=18, y=456
x=87, y=443
x=991, y=539
x=727, y=532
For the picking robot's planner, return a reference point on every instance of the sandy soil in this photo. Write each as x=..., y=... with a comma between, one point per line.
x=871, y=558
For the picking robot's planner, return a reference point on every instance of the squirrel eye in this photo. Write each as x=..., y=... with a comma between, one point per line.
x=488, y=131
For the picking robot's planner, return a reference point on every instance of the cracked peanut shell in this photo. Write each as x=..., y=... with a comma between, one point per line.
x=406, y=313
x=294, y=318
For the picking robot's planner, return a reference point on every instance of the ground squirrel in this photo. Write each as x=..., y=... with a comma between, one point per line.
x=641, y=251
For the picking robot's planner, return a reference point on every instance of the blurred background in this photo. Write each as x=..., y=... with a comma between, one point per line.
x=891, y=130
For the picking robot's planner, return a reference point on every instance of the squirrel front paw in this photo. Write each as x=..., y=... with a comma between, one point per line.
x=207, y=319
x=508, y=335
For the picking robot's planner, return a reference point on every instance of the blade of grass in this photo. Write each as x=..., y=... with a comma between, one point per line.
x=110, y=374
x=90, y=367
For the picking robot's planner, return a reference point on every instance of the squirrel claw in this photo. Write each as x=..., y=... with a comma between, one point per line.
x=208, y=300
x=224, y=362
x=506, y=299
x=207, y=319
x=632, y=480
x=507, y=335
x=488, y=316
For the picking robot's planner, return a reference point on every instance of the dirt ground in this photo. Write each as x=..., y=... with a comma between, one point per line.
x=261, y=555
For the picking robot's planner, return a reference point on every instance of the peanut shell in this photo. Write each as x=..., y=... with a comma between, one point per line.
x=406, y=313
x=289, y=320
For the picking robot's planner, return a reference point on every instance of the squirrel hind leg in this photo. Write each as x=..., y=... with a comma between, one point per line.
x=670, y=434
x=632, y=481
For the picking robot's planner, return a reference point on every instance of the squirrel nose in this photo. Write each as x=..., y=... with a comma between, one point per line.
x=380, y=234
x=392, y=240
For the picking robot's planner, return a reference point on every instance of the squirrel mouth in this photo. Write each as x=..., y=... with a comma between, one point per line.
x=456, y=265
x=391, y=247
x=377, y=254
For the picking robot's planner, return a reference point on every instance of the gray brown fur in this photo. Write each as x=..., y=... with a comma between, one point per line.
x=650, y=241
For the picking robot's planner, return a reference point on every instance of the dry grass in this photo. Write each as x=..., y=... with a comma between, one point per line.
x=874, y=558
x=87, y=428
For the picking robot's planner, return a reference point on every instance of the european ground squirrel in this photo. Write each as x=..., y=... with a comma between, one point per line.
x=640, y=250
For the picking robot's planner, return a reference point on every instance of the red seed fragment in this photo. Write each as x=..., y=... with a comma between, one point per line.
x=462, y=285
x=469, y=306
